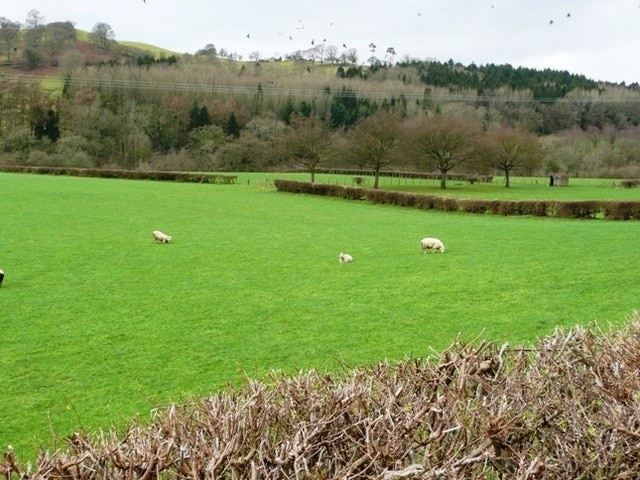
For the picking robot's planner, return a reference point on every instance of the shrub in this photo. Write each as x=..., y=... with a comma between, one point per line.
x=375, y=196
x=389, y=197
x=502, y=207
x=406, y=199
x=621, y=210
x=354, y=193
x=286, y=185
x=446, y=204
x=472, y=205
x=577, y=209
x=540, y=208
x=425, y=202
x=565, y=407
x=629, y=183
x=537, y=208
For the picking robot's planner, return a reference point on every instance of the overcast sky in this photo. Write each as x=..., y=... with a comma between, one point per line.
x=596, y=38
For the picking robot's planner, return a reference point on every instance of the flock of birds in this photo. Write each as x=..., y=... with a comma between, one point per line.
x=300, y=27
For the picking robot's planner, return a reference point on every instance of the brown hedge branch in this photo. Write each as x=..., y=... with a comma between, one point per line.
x=567, y=408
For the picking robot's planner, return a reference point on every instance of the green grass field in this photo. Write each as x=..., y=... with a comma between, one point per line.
x=522, y=188
x=102, y=324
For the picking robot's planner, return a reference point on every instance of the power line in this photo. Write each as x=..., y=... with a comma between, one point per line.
x=272, y=90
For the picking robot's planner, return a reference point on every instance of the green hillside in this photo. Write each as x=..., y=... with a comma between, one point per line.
x=132, y=105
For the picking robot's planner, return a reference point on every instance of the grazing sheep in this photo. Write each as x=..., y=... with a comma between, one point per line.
x=158, y=236
x=1, y=277
x=345, y=258
x=432, y=244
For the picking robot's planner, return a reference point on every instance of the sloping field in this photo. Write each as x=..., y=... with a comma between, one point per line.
x=103, y=324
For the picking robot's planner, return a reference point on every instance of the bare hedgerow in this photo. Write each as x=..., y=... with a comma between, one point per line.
x=473, y=205
x=566, y=407
x=577, y=209
x=621, y=210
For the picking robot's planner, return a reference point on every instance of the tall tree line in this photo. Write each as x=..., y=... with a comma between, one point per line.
x=112, y=119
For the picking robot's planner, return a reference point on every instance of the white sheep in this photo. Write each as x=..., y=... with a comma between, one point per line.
x=345, y=258
x=158, y=236
x=1, y=277
x=432, y=244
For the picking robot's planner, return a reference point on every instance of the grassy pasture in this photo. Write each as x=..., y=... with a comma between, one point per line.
x=101, y=324
x=522, y=188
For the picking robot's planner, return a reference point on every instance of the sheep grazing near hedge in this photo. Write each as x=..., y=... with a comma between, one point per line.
x=158, y=236
x=432, y=244
x=1, y=277
x=345, y=258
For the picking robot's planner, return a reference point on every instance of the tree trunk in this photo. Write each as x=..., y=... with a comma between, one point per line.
x=506, y=179
x=443, y=180
x=375, y=179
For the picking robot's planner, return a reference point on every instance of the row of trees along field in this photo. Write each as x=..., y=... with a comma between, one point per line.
x=115, y=106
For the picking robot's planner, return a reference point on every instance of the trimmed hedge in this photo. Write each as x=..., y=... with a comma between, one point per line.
x=621, y=210
x=582, y=209
x=111, y=173
x=585, y=209
x=472, y=205
x=565, y=407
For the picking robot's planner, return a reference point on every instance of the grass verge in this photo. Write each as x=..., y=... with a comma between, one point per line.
x=105, y=325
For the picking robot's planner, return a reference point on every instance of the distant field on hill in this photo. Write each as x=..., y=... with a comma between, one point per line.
x=104, y=324
x=156, y=51
x=85, y=36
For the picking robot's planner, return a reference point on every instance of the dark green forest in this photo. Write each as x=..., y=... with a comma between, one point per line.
x=73, y=98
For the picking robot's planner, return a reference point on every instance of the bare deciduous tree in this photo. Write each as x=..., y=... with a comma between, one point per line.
x=9, y=36
x=351, y=56
x=307, y=143
x=254, y=56
x=373, y=142
x=507, y=150
x=34, y=20
x=59, y=35
x=34, y=32
x=391, y=55
x=442, y=142
x=332, y=54
x=102, y=35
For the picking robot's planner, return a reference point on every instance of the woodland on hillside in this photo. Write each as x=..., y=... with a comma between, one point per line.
x=122, y=107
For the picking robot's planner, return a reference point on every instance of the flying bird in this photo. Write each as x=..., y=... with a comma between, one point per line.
x=550, y=22
x=344, y=45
